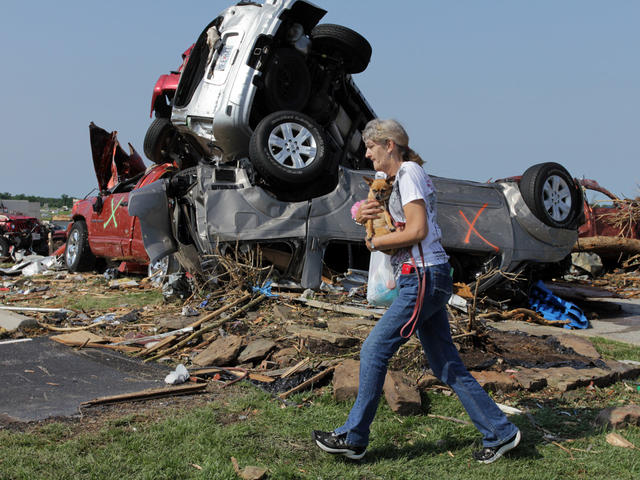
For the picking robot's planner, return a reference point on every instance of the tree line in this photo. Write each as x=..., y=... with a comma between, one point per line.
x=64, y=200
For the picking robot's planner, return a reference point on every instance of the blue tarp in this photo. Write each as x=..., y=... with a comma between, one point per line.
x=554, y=309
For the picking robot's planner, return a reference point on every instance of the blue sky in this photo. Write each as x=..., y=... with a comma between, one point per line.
x=485, y=89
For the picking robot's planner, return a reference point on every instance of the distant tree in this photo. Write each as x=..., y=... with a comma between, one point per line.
x=63, y=201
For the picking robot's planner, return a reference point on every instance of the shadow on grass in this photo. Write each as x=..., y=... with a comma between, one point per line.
x=548, y=424
x=420, y=449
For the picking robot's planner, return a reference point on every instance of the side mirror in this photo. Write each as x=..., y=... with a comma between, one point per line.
x=97, y=206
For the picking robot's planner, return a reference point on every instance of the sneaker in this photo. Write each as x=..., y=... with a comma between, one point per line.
x=331, y=442
x=491, y=454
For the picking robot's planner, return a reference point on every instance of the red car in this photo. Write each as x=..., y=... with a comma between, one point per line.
x=165, y=88
x=157, y=140
x=600, y=220
x=101, y=225
x=21, y=231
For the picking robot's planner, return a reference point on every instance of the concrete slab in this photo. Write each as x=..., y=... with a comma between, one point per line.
x=41, y=378
x=12, y=321
x=623, y=325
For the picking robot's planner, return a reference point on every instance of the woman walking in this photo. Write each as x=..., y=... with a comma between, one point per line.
x=413, y=208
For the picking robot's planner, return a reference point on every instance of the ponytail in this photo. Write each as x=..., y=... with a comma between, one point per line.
x=408, y=155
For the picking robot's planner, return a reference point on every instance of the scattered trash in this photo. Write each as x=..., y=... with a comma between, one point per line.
x=176, y=286
x=458, y=302
x=265, y=289
x=205, y=302
x=132, y=316
x=509, y=410
x=123, y=283
x=188, y=311
x=587, y=262
x=178, y=376
x=308, y=294
x=110, y=273
x=109, y=319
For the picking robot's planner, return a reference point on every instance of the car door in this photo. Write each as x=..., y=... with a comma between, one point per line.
x=112, y=226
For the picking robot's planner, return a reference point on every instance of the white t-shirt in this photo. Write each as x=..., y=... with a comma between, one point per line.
x=413, y=183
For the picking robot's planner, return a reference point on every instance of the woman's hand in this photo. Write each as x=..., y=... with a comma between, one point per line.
x=368, y=244
x=368, y=210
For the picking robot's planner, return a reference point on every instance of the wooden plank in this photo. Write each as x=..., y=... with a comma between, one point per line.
x=295, y=368
x=306, y=383
x=80, y=336
x=253, y=376
x=146, y=394
x=161, y=344
x=366, y=312
x=119, y=348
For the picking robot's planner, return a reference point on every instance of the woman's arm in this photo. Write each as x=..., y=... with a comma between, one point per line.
x=415, y=229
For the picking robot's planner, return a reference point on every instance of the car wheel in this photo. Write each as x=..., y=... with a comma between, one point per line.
x=337, y=41
x=4, y=248
x=288, y=149
x=287, y=83
x=160, y=269
x=157, y=140
x=77, y=254
x=551, y=194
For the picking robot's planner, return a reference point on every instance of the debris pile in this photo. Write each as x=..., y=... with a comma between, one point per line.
x=286, y=341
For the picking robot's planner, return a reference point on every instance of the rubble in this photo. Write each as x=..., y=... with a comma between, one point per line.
x=287, y=343
x=11, y=321
x=401, y=394
x=618, y=417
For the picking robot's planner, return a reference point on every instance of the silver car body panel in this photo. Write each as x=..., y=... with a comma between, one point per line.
x=480, y=219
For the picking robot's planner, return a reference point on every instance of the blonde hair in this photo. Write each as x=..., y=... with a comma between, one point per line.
x=380, y=131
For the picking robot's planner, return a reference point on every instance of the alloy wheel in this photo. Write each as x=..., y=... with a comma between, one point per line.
x=292, y=145
x=557, y=198
x=72, y=247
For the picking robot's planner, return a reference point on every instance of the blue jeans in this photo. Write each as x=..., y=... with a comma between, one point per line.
x=433, y=332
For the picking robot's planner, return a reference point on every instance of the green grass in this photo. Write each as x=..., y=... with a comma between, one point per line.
x=611, y=349
x=258, y=431
x=133, y=299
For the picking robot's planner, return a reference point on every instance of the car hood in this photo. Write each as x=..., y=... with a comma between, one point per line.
x=112, y=164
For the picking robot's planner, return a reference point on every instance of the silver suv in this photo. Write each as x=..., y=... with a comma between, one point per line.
x=266, y=85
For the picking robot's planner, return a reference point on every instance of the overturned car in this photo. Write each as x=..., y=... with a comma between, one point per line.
x=486, y=227
x=265, y=130
x=268, y=88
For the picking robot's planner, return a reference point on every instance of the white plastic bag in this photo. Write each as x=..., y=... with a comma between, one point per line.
x=382, y=288
x=178, y=376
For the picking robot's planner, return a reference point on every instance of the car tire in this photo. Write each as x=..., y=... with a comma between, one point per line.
x=289, y=150
x=4, y=248
x=551, y=194
x=338, y=41
x=77, y=254
x=287, y=82
x=157, y=139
